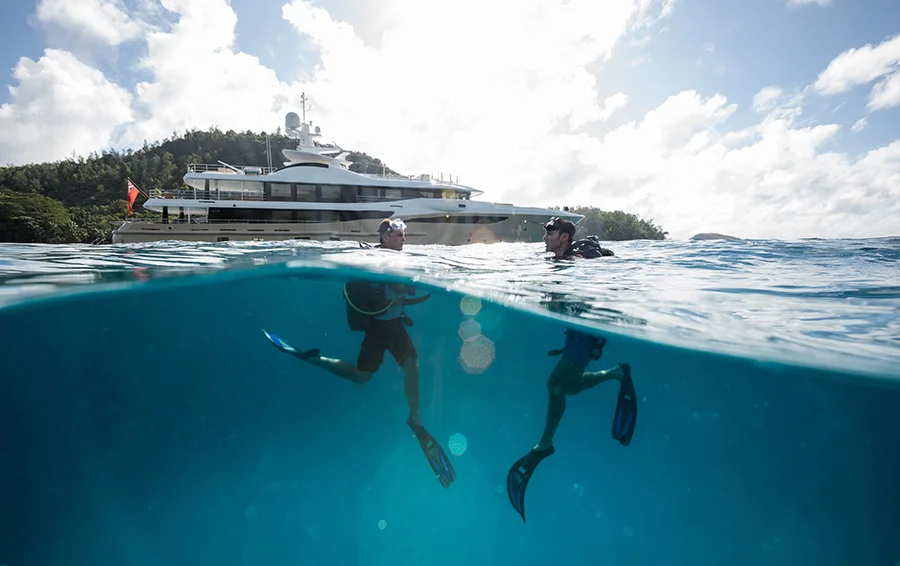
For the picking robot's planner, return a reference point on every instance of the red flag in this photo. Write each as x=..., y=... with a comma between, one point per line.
x=132, y=194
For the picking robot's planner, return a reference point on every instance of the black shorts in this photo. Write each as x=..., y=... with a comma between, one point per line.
x=381, y=336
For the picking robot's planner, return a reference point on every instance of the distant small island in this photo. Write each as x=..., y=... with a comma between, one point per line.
x=713, y=236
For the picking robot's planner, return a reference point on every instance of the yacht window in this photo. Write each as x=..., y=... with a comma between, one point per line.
x=353, y=215
x=225, y=185
x=252, y=190
x=349, y=193
x=459, y=219
x=276, y=215
x=306, y=193
x=331, y=193
x=281, y=191
x=307, y=215
x=368, y=194
x=392, y=194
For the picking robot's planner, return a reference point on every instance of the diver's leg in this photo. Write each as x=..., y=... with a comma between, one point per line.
x=556, y=407
x=371, y=355
x=404, y=352
x=342, y=369
x=591, y=378
x=411, y=386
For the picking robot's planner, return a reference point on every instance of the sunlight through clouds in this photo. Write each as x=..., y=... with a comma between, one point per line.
x=428, y=101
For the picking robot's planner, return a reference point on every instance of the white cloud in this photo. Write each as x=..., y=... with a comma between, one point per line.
x=765, y=98
x=104, y=21
x=773, y=179
x=859, y=125
x=776, y=103
x=199, y=81
x=859, y=66
x=612, y=103
x=61, y=106
x=886, y=93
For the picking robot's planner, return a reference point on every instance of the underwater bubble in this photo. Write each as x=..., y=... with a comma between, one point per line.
x=469, y=305
x=477, y=355
x=469, y=330
x=458, y=444
x=382, y=524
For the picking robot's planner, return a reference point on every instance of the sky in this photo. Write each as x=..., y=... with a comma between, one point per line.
x=754, y=118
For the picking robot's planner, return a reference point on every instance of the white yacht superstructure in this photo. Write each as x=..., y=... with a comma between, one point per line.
x=316, y=196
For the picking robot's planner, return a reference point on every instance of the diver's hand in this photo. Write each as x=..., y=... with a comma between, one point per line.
x=411, y=299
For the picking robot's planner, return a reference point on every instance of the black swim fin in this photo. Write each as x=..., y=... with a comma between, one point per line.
x=626, y=409
x=520, y=473
x=436, y=456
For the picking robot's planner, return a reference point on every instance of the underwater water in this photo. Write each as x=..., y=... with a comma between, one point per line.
x=147, y=420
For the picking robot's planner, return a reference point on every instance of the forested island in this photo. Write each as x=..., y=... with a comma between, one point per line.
x=79, y=200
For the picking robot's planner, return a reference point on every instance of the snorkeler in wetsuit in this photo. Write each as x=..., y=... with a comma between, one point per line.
x=377, y=309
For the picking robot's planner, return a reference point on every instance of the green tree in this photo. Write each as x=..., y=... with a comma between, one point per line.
x=615, y=225
x=34, y=218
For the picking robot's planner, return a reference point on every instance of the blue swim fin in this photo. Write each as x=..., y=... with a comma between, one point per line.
x=287, y=348
x=436, y=456
x=625, y=418
x=519, y=475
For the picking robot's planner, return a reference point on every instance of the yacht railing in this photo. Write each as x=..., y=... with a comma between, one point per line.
x=251, y=171
x=203, y=220
x=211, y=194
x=246, y=195
x=426, y=178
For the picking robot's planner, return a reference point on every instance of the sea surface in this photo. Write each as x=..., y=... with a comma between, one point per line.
x=147, y=420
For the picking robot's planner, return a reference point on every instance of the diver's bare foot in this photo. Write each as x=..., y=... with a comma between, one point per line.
x=617, y=373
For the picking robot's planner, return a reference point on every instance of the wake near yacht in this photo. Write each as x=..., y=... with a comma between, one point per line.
x=315, y=196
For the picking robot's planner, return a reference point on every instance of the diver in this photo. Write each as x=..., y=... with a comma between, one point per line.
x=570, y=378
x=378, y=310
x=559, y=236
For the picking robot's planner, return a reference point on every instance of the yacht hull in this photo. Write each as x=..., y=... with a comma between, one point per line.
x=426, y=230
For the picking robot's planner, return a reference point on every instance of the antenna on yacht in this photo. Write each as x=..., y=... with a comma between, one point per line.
x=303, y=101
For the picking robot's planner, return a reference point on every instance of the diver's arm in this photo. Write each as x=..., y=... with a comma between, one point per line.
x=412, y=296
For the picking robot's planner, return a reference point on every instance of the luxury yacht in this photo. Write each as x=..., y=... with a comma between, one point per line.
x=315, y=196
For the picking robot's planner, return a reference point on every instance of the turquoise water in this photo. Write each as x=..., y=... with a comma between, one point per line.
x=148, y=421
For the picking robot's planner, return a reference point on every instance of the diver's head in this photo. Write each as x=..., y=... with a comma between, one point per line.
x=558, y=235
x=392, y=233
